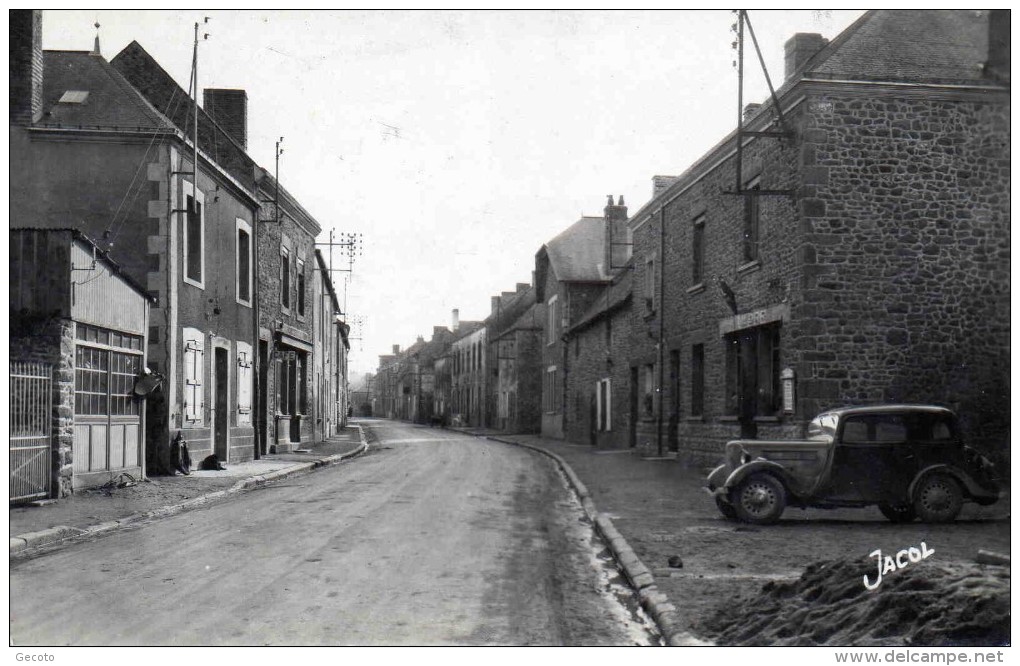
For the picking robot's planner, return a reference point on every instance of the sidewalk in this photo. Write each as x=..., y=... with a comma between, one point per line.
x=113, y=506
x=654, y=515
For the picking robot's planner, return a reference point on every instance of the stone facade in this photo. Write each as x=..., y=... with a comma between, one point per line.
x=879, y=271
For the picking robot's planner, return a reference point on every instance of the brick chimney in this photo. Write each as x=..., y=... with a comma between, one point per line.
x=26, y=65
x=494, y=303
x=616, y=252
x=522, y=287
x=229, y=108
x=396, y=349
x=661, y=183
x=998, y=44
x=455, y=324
x=800, y=48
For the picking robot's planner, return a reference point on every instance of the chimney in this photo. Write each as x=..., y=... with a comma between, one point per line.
x=229, y=108
x=456, y=320
x=998, y=44
x=661, y=183
x=750, y=109
x=800, y=48
x=494, y=303
x=26, y=65
x=522, y=287
x=616, y=252
x=437, y=331
x=396, y=349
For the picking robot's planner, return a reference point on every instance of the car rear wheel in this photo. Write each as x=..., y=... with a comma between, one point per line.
x=759, y=499
x=938, y=499
x=900, y=513
x=726, y=509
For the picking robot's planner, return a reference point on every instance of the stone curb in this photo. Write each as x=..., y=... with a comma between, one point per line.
x=61, y=532
x=665, y=614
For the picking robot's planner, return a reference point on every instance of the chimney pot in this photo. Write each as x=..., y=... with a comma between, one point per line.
x=456, y=320
x=800, y=48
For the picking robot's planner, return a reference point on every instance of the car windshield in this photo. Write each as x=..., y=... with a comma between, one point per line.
x=822, y=427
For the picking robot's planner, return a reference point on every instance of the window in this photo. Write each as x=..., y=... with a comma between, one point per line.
x=876, y=429
x=286, y=383
x=301, y=288
x=551, y=324
x=752, y=372
x=194, y=236
x=104, y=382
x=245, y=377
x=550, y=390
x=752, y=215
x=650, y=285
x=698, y=380
x=603, y=405
x=698, y=251
x=285, y=278
x=194, y=373
x=244, y=262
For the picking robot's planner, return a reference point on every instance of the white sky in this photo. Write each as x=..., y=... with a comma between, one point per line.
x=511, y=126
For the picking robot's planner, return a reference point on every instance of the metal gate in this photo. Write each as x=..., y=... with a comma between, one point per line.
x=31, y=400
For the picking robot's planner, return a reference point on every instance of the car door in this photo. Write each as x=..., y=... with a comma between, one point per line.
x=864, y=467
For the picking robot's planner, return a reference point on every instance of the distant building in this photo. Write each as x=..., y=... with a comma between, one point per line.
x=514, y=347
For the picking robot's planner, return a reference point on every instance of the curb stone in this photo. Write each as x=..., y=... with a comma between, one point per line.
x=664, y=613
x=62, y=532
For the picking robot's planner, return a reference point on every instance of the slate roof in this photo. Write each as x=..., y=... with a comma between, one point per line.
x=613, y=297
x=908, y=45
x=576, y=254
x=111, y=100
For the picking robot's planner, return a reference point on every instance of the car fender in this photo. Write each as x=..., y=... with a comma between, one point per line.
x=970, y=486
x=717, y=477
x=745, y=470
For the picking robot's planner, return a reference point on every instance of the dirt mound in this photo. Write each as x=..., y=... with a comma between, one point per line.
x=930, y=603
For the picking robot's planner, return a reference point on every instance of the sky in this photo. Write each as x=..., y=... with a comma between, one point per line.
x=458, y=142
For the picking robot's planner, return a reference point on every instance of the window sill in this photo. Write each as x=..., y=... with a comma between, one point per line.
x=749, y=267
x=695, y=419
x=697, y=289
x=729, y=419
x=246, y=304
x=767, y=419
x=200, y=285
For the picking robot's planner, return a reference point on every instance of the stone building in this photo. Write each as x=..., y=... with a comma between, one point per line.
x=570, y=272
x=469, y=369
x=94, y=153
x=78, y=350
x=330, y=386
x=514, y=345
x=868, y=260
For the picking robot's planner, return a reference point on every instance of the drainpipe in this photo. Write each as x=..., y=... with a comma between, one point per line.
x=662, y=317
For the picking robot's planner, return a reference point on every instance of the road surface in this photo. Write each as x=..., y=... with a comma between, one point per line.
x=433, y=537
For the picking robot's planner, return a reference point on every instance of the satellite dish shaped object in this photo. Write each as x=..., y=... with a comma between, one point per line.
x=147, y=382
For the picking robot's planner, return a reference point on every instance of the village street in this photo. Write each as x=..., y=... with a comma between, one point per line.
x=433, y=537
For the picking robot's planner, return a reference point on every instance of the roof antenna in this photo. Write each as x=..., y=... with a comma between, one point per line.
x=95, y=49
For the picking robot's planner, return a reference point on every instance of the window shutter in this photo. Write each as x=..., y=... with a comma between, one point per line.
x=194, y=365
x=245, y=364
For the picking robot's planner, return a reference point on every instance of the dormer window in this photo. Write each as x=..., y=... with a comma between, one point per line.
x=74, y=97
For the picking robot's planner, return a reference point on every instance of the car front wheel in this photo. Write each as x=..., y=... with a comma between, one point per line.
x=759, y=499
x=938, y=499
x=900, y=513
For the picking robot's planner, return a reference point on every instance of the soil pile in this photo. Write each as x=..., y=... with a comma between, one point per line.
x=929, y=603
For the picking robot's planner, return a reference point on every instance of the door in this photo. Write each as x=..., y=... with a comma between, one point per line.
x=633, y=405
x=30, y=429
x=220, y=402
x=263, y=427
x=864, y=466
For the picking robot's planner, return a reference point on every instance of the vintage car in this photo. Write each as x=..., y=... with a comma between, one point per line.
x=908, y=459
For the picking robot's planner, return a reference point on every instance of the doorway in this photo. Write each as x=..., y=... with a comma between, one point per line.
x=263, y=427
x=221, y=411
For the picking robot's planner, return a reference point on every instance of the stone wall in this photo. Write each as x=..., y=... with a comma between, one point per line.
x=906, y=238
